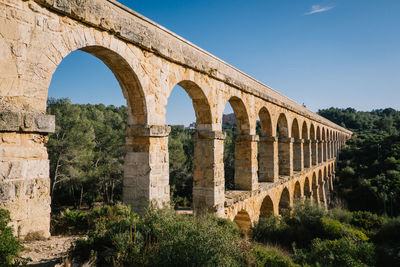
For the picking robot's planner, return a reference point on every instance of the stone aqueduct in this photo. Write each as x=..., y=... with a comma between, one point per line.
x=297, y=147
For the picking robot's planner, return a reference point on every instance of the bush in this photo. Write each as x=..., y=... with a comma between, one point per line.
x=9, y=245
x=272, y=257
x=339, y=252
x=270, y=229
x=387, y=241
x=159, y=237
x=367, y=221
x=69, y=222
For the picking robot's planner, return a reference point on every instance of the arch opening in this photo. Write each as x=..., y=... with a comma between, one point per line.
x=267, y=167
x=307, y=189
x=314, y=146
x=315, y=188
x=243, y=221
x=240, y=166
x=297, y=147
x=284, y=202
x=306, y=146
x=284, y=147
x=91, y=155
x=297, y=191
x=267, y=207
x=187, y=109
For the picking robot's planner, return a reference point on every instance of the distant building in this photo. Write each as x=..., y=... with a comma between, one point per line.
x=191, y=126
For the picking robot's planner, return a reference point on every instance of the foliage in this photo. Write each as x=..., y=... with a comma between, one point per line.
x=229, y=155
x=86, y=153
x=369, y=165
x=158, y=238
x=181, y=151
x=273, y=257
x=338, y=252
x=9, y=244
x=387, y=240
x=333, y=237
x=69, y=222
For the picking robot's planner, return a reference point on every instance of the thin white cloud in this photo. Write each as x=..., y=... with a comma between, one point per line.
x=318, y=9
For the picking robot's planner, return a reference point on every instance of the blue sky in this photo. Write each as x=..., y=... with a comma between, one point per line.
x=340, y=53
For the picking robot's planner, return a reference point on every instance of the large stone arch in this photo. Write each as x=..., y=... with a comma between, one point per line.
x=297, y=146
x=200, y=103
x=314, y=146
x=306, y=146
x=267, y=206
x=267, y=161
x=241, y=115
x=284, y=201
x=113, y=52
x=245, y=173
x=320, y=145
x=285, y=156
x=204, y=149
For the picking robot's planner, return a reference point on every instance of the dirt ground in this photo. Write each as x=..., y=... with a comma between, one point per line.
x=50, y=252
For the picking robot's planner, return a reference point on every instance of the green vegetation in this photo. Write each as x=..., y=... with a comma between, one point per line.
x=319, y=237
x=369, y=165
x=86, y=153
x=118, y=237
x=9, y=245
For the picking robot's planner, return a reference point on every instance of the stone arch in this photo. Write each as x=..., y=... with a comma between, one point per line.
x=306, y=146
x=267, y=207
x=137, y=141
x=307, y=188
x=267, y=165
x=202, y=147
x=297, y=191
x=297, y=146
x=245, y=170
x=282, y=126
x=284, y=201
x=265, y=121
x=241, y=115
x=314, y=146
x=243, y=221
x=125, y=75
x=200, y=103
x=284, y=146
x=320, y=145
x=321, y=193
x=315, y=188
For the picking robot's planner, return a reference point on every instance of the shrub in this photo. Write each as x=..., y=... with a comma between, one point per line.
x=332, y=228
x=340, y=214
x=69, y=222
x=387, y=241
x=270, y=229
x=339, y=252
x=367, y=221
x=159, y=237
x=9, y=244
x=272, y=257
